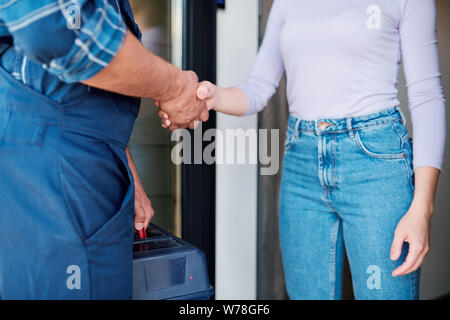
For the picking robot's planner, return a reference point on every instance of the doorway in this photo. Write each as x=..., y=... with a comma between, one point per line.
x=182, y=32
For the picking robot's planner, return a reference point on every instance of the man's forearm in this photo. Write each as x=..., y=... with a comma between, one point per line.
x=131, y=162
x=137, y=72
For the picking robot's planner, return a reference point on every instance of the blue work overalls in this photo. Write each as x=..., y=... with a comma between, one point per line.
x=66, y=192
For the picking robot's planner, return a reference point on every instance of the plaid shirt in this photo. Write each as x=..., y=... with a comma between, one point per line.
x=71, y=39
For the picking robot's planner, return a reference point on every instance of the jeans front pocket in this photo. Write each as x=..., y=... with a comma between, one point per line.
x=407, y=148
x=291, y=137
x=288, y=142
x=380, y=142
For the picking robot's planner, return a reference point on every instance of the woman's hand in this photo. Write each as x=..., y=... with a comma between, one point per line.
x=414, y=227
x=206, y=91
x=142, y=205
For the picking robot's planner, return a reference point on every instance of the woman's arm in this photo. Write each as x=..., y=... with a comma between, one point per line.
x=427, y=105
x=230, y=101
x=421, y=67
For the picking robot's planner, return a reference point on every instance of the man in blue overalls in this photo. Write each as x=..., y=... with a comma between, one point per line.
x=68, y=88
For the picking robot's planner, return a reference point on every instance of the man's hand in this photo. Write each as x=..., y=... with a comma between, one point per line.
x=184, y=108
x=205, y=92
x=142, y=206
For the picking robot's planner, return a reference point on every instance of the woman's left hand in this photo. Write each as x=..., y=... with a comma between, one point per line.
x=413, y=228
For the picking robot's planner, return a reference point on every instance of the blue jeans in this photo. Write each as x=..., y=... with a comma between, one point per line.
x=346, y=184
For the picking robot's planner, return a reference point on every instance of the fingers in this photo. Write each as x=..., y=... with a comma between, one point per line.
x=187, y=113
x=191, y=76
x=140, y=216
x=165, y=122
x=163, y=115
x=143, y=214
x=194, y=124
x=149, y=212
x=419, y=263
x=412, y=259
x=418, y=251
x=204, y=115
x=175, y=127
x=397, y=244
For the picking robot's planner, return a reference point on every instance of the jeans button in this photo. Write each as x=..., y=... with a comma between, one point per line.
x=323, y=125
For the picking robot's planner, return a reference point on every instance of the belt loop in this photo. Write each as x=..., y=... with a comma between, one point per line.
x=296, y=128
x=399, y=110
x=350, y=127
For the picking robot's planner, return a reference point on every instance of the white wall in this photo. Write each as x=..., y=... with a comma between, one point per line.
x=236, y=186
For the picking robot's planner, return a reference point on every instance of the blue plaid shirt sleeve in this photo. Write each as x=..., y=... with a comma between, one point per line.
x=72, y=39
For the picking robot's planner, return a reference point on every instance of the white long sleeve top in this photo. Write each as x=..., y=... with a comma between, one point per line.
x=342, y=59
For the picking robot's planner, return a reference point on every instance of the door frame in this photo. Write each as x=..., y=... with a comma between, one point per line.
x=199, y=180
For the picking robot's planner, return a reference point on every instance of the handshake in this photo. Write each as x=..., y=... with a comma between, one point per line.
x=190, y=104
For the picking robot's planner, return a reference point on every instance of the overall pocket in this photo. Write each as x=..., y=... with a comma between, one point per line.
x=380, y=142
x=121, y=224
x=97, y=186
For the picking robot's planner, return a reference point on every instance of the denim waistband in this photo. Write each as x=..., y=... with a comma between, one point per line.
x=324, y=126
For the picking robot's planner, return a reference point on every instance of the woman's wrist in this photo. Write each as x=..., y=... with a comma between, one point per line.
x=426, y=180
x=231, y=101
x=424, y=206
x=217, y=99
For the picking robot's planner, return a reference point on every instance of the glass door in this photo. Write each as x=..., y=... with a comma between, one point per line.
x=161, y=24
x=182, y=32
